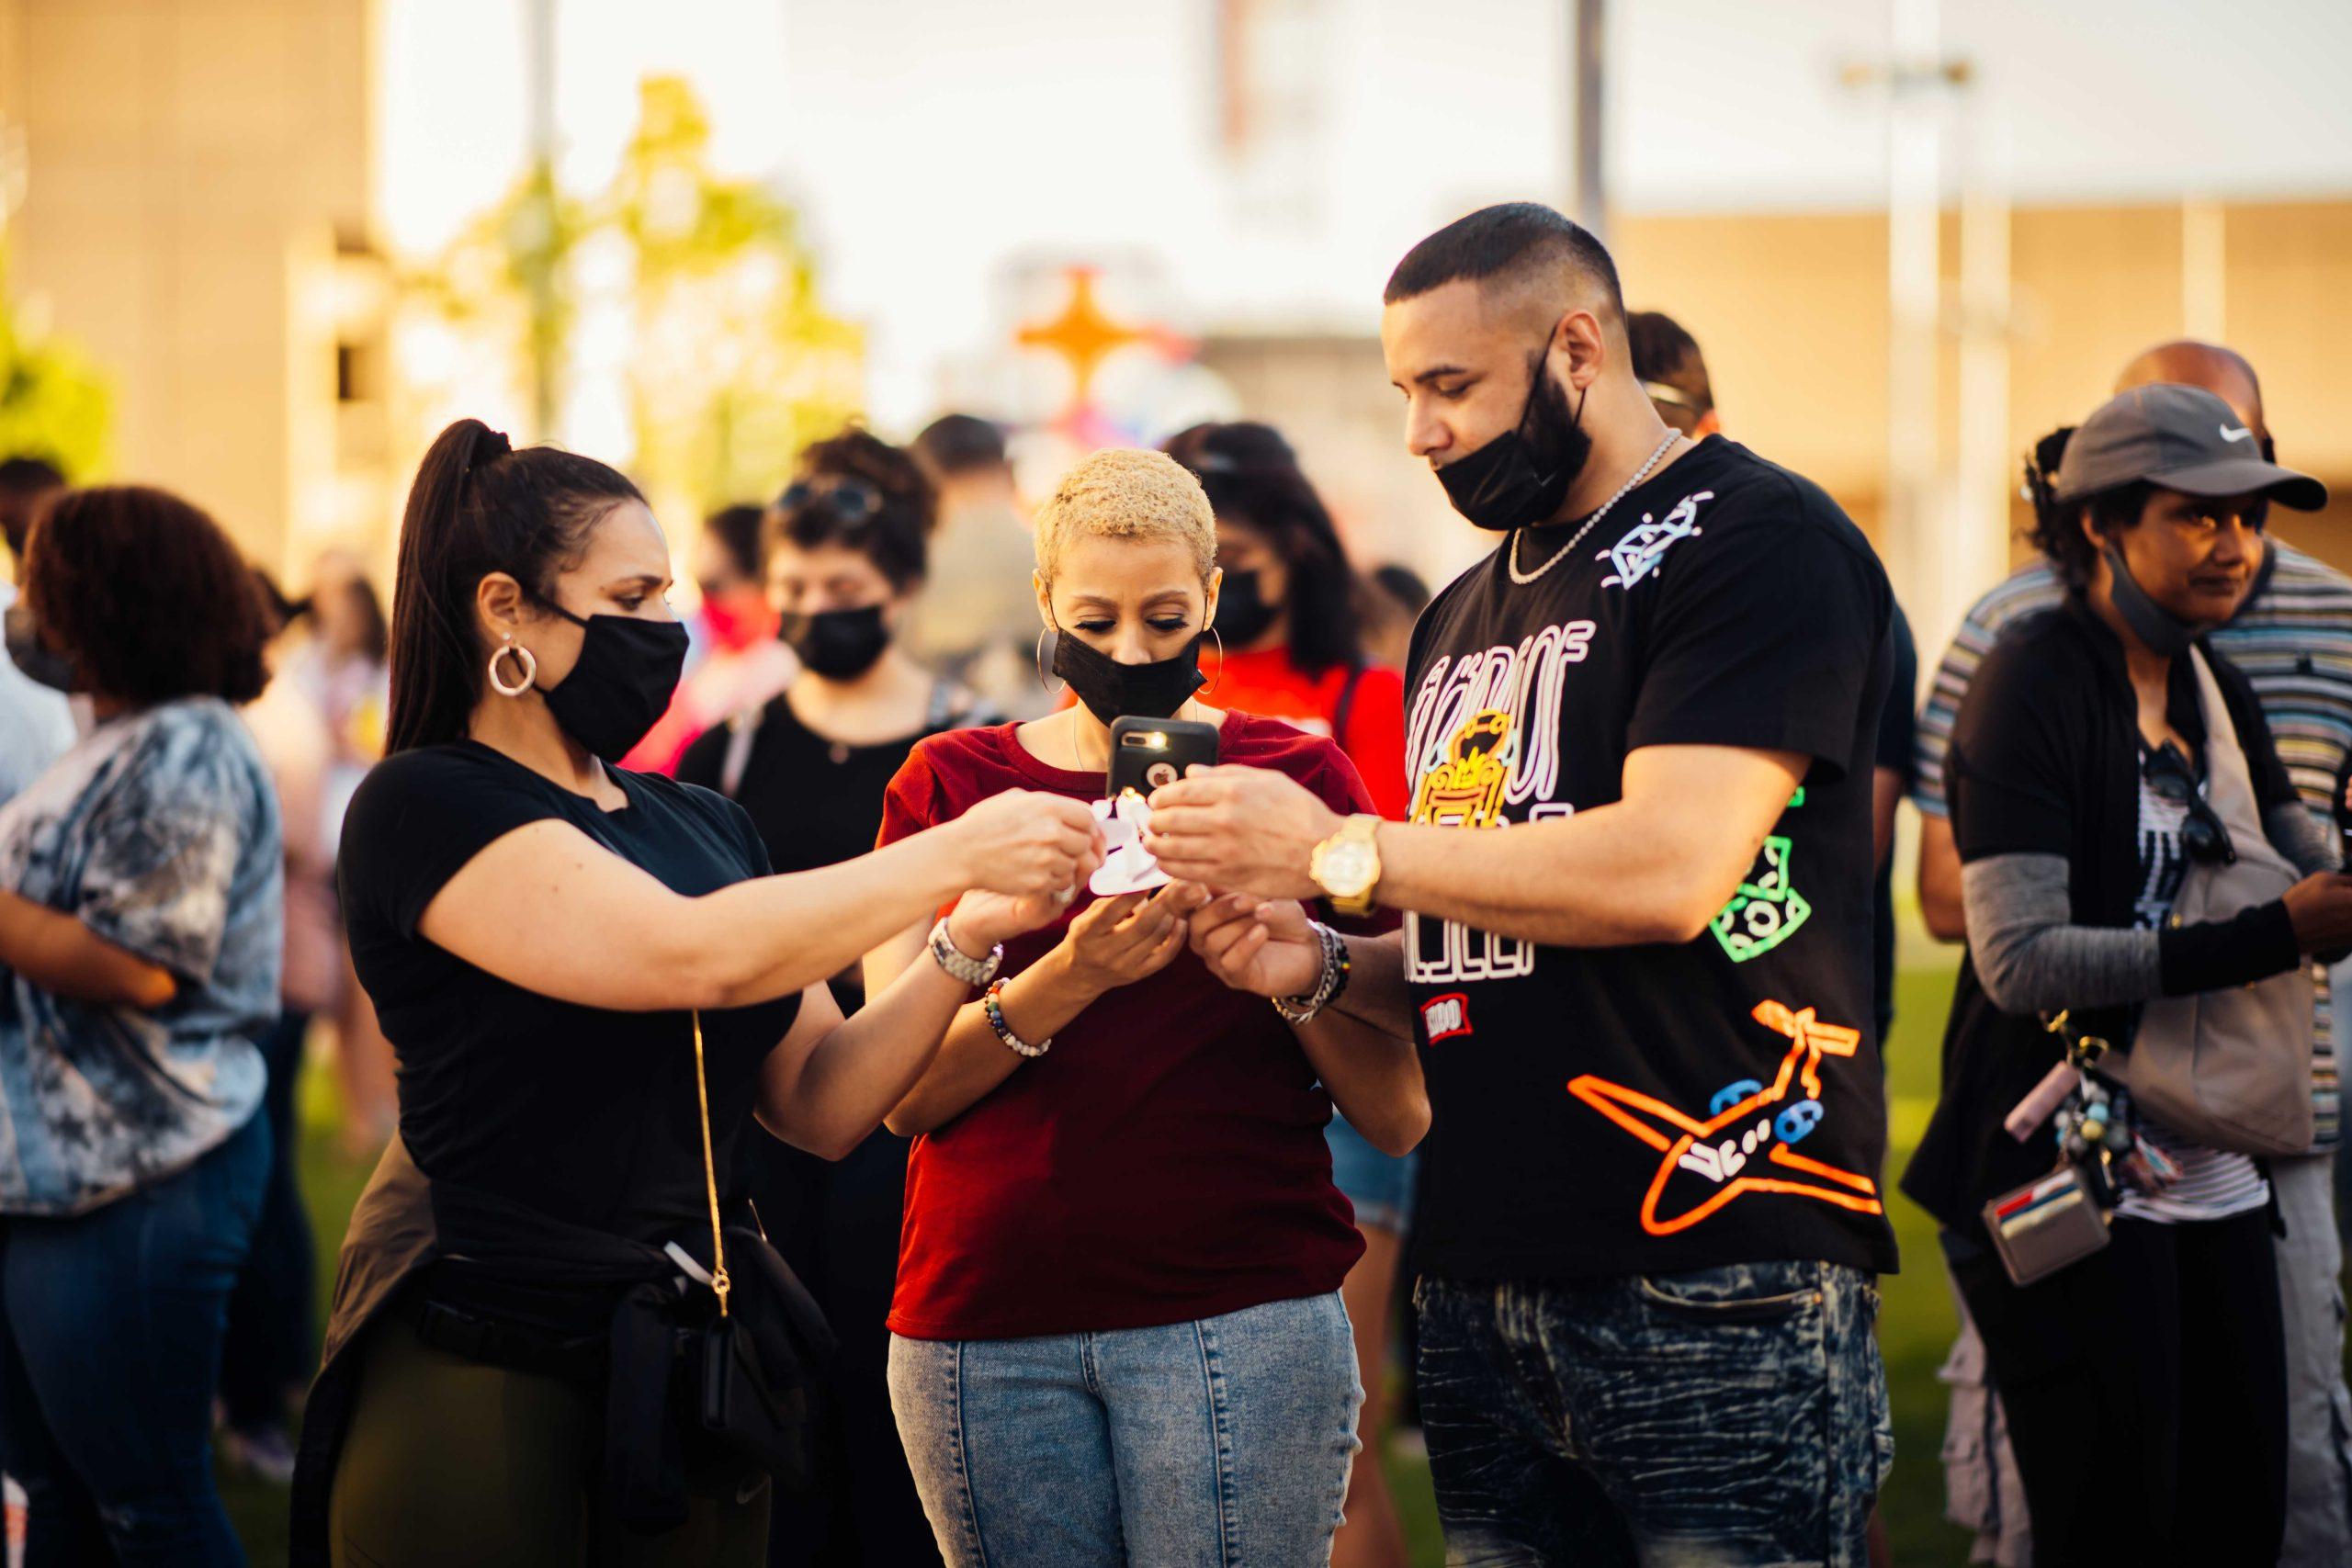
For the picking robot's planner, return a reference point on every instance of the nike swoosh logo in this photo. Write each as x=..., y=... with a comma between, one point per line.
x=2240, y=434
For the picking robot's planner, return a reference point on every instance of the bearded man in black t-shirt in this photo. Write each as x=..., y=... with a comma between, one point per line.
x=1636, y=885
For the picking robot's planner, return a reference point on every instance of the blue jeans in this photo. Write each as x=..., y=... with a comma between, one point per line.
x=1379, y=1186
x=1197, y=1444
x=1730, y=1416
x=109, y=1348
x=269, y=1351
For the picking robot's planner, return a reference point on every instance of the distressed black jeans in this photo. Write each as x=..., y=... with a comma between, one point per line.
x=1728, y=1415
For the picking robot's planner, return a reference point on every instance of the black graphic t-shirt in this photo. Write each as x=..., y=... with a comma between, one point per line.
x=1640, y=1109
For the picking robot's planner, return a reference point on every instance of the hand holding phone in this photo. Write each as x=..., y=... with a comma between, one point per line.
x=1146, y=753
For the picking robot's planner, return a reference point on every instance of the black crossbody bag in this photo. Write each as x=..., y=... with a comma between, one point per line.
x=753, y=1382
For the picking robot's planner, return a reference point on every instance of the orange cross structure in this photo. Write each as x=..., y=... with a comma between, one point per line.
x=1084, y=335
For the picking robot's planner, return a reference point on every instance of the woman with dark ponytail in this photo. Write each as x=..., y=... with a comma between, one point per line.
x=593, y=984
x=1292, y=619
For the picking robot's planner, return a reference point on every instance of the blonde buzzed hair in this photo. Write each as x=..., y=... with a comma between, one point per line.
x=1124, y=494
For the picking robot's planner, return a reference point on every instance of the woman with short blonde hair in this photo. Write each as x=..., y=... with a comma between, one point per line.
x=1118, y=1331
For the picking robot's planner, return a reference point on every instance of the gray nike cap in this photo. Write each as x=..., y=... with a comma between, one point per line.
x=2183, y=438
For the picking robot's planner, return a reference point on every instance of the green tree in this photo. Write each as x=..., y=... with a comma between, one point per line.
x=507, y=276
x=735, y=363
x=738, y=364
x=54, y=402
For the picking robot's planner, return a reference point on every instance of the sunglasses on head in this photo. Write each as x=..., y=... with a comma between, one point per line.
x=2202, y=833
x=851, y=502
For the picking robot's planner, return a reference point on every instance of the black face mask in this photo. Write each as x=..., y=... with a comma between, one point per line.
x=1520, y=478
x=2165, y=633
x=839, y=645
x=626, y=675
x=1242, y=612
x=37, y=663
x=1111, y=690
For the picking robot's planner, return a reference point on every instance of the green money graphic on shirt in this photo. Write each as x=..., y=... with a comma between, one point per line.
x=1766, y=911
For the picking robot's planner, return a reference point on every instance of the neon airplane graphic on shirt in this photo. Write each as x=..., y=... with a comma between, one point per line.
x=1744, y=1144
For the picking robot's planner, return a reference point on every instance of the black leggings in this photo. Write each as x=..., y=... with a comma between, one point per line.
x=2146, y=1391
x=452, y=1461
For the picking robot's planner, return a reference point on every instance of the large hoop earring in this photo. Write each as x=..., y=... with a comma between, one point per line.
x=1220, y=664
x=523, y=657
x=1048, y=645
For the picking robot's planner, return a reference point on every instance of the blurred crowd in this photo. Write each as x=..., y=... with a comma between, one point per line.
x=192, y=758
x=819, y=655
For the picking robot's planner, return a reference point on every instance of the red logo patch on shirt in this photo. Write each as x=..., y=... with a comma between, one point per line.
x=1446, y=1016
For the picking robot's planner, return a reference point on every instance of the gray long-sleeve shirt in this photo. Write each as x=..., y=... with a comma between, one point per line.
x=2029, y=955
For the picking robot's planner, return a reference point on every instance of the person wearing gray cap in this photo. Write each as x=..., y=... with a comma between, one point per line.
x=2101, y=748
x=2292, y=638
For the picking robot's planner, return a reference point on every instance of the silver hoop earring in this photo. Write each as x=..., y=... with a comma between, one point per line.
x=523, y=657
x=1048, y=643
x=1220, y=662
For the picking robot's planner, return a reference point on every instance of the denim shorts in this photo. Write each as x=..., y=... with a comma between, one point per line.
x=1379, y=1185
x=1218, y=1442
x=1722, y=1416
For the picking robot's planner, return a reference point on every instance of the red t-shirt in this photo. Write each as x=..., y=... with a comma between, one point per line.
x=1165, y=1160
x=1266, y=683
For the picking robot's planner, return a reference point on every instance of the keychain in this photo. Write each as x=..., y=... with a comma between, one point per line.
x=2060, y=1218
x=2093, y=1120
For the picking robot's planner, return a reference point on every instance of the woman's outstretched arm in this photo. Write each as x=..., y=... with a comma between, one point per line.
x=550, y=909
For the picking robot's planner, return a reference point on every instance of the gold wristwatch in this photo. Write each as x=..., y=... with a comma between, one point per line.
x=1346, y=866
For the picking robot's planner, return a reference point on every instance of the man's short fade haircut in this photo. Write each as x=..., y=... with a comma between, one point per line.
x=960, y=444
x=1668, y=356
x=1518, y=243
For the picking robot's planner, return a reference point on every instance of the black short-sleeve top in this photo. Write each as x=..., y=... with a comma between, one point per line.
x=584, y=1113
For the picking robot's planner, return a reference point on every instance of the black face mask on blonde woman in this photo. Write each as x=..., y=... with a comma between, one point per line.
x=1111, y=690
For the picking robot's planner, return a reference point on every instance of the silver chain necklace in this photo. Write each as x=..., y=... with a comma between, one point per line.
x=1524, y=579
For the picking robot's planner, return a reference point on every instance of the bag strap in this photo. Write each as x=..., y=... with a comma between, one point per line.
x=741, y=730
x=719, y=1283
x=2229, y=789
x=2227, y=771
x=1346, y=707
x=944, y=707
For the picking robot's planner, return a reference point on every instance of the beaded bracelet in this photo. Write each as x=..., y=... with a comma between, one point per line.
x=1337, y=967
x=994, y=1009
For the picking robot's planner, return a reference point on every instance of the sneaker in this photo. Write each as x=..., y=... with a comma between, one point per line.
x=264, y=1452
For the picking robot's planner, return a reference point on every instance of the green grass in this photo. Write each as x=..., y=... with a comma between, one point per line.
x=1916, y=1320
x=1915, y=1326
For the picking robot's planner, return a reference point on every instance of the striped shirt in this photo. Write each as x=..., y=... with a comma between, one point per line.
x=2293, y=640
x=2214, y=1184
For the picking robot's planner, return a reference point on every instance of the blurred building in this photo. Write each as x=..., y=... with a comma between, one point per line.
x=208, y=186
x=2134, y=170
x=195, y=211
x=1791, y=311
